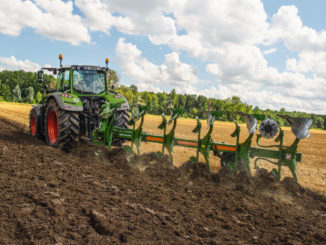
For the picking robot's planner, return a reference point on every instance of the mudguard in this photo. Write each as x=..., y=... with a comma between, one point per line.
x=119, y=100
x=67, y=102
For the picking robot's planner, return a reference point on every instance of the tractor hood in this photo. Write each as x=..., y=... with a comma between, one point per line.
x=117, y=100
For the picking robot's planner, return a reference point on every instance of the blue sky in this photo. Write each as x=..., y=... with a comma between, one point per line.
x=270, y=53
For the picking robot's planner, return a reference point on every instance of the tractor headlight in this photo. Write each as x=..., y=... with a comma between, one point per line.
x=268, y=128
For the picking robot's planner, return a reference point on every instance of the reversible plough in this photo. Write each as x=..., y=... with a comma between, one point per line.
x=236, y=157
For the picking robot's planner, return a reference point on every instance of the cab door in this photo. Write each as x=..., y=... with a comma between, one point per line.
x=64, y=81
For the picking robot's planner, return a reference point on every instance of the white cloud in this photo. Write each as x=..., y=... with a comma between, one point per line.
x=232, y=38
x=172, y=72
x=12, y=63
x=214, y=69
x=147, y=87
x=222, y=21
x=267, y=89
x=270, y=51
x=308, y=62
x=99, y=17
x=288, y=27
x=50, y=18
x=130, y=17
x=307, y=42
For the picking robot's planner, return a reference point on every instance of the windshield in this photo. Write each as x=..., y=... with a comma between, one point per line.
x=89, y=82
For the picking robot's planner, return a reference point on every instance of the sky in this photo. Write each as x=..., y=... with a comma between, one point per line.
x=270, y=53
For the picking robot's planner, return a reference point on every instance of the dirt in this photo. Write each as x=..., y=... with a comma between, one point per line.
x=311, y=171
x=96, y=196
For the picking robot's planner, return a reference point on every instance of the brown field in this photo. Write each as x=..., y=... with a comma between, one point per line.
x=311, y=171
x=95, y=196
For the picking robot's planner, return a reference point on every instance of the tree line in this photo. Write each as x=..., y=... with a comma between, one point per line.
x=199, y=105
x=20, y=86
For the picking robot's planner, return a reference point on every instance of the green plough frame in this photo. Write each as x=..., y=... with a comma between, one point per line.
x=280, y=156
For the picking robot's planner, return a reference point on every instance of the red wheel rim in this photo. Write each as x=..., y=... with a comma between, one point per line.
x=33, y=126
x=52, y=126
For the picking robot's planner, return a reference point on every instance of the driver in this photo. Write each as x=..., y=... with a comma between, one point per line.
x=79, y=82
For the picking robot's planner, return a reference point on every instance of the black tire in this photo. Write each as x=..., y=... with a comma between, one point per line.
x=121, y=120
x=35, y=124
x=230, y=157
x=66, y=126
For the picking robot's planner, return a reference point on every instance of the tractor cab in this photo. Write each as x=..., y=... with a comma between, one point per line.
x=88, y=81
x=82, y=80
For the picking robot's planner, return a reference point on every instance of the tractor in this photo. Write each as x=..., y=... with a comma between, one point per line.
x=70, y=112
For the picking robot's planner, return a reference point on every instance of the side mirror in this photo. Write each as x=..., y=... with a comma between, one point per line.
x=40, y=76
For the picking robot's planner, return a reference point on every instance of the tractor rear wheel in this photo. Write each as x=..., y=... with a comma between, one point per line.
x=121, y=120
x=61, y=127
x=230, y=157
x=35, y=124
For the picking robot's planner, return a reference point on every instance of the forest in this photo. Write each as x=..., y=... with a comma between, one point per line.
x=21, y=86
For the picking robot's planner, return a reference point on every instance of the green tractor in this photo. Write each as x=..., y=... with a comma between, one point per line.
x=71, y=111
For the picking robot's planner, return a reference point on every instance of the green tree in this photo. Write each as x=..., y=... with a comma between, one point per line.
x=30, y=94
x=162, y=100
x=38, y=97
x=134, y=89
x=6, y=92
x=182, y=101
x=113, y=78
x=190, y=102
x=194, y=112
x=174, y=98
x=202, y=106
x=16, y=93
x=317, y=121
x=155, y=104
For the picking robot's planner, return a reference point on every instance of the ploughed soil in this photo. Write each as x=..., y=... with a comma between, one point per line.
x=95, y=196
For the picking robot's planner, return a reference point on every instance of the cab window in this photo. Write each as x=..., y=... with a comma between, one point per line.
x=65, y=81
x=53, y=83
x=59, y=82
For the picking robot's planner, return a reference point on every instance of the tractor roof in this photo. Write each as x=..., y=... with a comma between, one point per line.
x=76, y=67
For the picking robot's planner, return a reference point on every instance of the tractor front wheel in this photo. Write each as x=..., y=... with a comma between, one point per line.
x=121, y=120
x=61, y=127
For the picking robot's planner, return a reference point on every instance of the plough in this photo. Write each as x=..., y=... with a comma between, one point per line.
x=236, y=157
